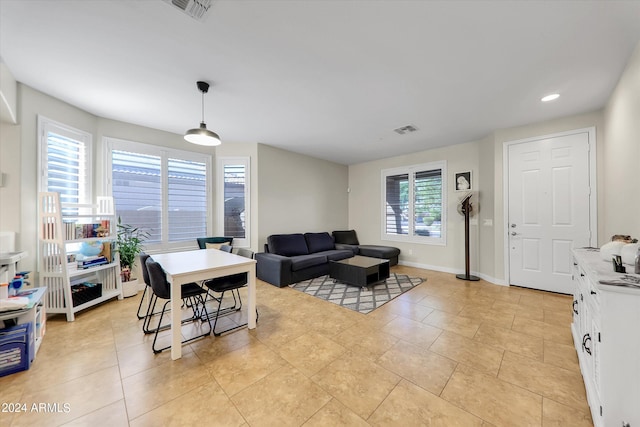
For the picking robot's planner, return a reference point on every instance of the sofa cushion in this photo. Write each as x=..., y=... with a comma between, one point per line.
x=347, y=237
x=375, y=251
x=337, y=255
x=287, y=244
x=318, y=242
x=355, y=249
x=301, y=262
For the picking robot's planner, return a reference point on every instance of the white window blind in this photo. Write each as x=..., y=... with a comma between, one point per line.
x=64, y=161
x=233, y=199
x=234, y=183
x=427, y=203
x=187, y=197
x=414, y=203
x=162, y=191
x=137, y=191
x=397, y=204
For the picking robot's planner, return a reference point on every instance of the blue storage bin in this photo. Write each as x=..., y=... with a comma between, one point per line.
x=16, y=348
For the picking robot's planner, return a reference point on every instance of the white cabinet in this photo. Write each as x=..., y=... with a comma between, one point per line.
x=62, y=229
x=606, y=333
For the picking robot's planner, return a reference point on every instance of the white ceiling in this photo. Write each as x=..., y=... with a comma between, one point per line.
x=330, y=79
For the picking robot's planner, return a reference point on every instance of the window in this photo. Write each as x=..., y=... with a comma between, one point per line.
x=233, y=199
x=414, y=203
x=187, y=198
x=163, y=191
x=64, y=161
x=136, y=186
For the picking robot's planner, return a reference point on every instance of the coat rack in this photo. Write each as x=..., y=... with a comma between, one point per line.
x=466, y=211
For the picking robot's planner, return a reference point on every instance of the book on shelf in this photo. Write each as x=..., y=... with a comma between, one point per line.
x=87, y=231
x=108, y=250
x=92, y=261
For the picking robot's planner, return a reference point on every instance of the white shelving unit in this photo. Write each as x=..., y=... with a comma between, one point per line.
x=54, y=248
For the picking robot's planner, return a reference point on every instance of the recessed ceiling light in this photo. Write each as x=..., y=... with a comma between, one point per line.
x=550, y=97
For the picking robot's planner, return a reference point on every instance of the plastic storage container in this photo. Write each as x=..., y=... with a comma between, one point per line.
x=16, y=349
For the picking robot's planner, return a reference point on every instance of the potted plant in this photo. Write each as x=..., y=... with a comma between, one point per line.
x=129, y=243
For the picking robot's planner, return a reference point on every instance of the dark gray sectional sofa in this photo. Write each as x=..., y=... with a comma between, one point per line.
x=291, y=258
x=348, y=239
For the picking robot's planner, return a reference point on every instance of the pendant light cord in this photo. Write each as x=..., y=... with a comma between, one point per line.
x=202, y=107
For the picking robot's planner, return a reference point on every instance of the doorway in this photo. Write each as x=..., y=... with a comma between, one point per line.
x=551, y=207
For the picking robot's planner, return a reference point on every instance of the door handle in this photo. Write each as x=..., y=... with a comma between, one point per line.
x=513, y=233
x=585, y=339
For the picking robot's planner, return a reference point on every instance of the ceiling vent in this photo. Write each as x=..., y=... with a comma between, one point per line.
x=405, y=129
x=196, y=9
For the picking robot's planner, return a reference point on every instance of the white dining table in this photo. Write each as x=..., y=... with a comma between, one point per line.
x=195, y=266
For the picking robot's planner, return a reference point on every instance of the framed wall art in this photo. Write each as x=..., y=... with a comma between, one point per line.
x=463, y=181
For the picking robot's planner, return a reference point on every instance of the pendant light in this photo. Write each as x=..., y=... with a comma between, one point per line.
x=202, y=135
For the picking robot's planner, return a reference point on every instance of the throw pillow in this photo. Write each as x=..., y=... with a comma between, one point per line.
x=287, y=244
x=318, y=242
x=214, y=245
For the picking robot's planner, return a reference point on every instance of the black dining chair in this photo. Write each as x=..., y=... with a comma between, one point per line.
x=191, y=294
x=147, y=290
x=237, y=301
x=229, y=283
x=147, y=287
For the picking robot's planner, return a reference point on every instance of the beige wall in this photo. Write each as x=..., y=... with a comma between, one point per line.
x=365, y=205
x=299, y=193
x=135, y=133
x=620, y=195
x=617, y=154
x=31, y=103
x=21, y=144
x=10, y=169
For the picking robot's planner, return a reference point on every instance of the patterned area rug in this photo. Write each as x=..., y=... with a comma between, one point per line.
x=363, y=300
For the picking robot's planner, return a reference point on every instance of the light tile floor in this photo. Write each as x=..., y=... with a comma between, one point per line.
x=446, y=353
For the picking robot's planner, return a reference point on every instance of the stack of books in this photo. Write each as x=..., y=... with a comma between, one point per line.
x=92, y=261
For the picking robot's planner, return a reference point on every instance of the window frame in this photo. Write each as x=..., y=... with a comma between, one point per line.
x=411, y=171
x=111, y=143
x=46, y=125
x=220, y=164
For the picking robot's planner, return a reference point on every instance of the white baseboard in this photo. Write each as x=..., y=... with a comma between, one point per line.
x=485, y=277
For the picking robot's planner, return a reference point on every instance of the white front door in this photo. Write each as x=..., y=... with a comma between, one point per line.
x=548, y=209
